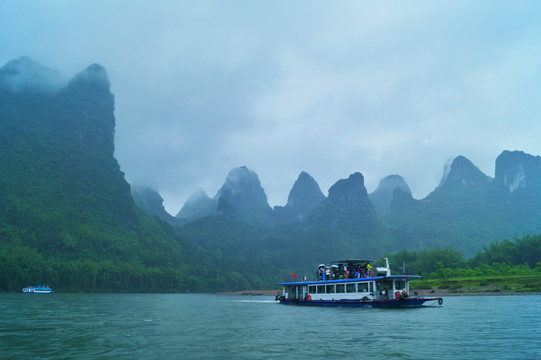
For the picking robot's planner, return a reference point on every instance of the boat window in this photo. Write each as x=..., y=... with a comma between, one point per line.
x=330, y=289
x=400, y=284
x=362, y=287
x=312, y=289
x=321, y=289
x=290, y=292
x=350, y=288
x=340, y=288
x=371, y=286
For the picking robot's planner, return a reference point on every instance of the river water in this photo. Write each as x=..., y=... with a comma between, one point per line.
x=204, y=326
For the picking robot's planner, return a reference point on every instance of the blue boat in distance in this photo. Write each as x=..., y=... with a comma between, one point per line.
x=38, y=289
x=355, y=283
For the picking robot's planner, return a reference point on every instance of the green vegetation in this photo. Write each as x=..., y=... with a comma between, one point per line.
x=507, y=266
x=469, y=211
x=67, y=217
x=477, y=284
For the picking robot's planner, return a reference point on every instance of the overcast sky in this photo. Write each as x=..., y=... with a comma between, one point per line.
x=326, y=87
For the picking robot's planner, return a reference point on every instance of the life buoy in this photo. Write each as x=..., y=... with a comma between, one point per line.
x=308, y=297
x=371, y=273
x=346, y=274
x=440, y=301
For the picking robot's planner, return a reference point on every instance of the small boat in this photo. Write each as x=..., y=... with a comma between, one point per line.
x=39, y=289
x=354, y=282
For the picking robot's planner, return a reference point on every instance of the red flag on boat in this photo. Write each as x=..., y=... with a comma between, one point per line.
x=293, y=275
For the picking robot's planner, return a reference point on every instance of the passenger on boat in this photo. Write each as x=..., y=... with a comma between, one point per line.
x=336, y=271
x=341, y=269
x=321, y=272
x=367, y=271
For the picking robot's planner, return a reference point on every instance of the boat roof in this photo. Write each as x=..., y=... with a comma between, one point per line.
x=352, y=261
x=341, y=281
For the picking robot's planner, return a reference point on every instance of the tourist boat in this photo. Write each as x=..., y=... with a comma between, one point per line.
x=354, y=283
x=39, y=289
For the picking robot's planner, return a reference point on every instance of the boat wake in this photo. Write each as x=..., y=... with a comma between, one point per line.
x=257, y=301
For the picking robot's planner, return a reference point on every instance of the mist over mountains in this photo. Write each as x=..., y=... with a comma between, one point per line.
x=23, y=75
x=68, y=214
x=467, y=210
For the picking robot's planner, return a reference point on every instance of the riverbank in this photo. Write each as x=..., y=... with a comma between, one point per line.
x=254, y=292
x=482, y=285
x=464, y=286
x=479, y=291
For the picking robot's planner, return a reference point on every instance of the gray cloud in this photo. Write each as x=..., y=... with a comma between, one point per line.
x=381, y=88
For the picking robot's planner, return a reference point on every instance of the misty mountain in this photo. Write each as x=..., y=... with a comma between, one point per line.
x=58, y=149
x=241, y=198
x=23, y=75
x=517, y=171
x=151, y=201
x=304, y=196
x=347, y=208
x=517, y=192
x=198, y=205
x=63, y=198
x=67, y=215
x=460, y=174
x=383, y=196
x=448, y=216
x=469, y=210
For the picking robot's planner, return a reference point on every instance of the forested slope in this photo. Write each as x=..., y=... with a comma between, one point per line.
x=66, y=213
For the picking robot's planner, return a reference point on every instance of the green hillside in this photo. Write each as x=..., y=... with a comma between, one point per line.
x=68, y=218
x=66, y=213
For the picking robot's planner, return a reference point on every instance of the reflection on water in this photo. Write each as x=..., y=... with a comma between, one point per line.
x=201, y=326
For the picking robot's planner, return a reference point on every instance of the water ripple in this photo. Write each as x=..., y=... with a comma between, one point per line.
x=198, y=326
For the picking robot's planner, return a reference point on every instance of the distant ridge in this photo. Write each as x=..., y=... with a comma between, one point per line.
x=517, y=170
x=24, y=75
x=66, y=210
x=460, y=173
x=151, y=201
x=305, y=195
x=67, y=214
x=347, y=208
x=383, y=196
x=198, y=205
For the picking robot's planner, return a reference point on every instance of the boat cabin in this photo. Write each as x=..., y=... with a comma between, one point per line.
x=350, y=280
